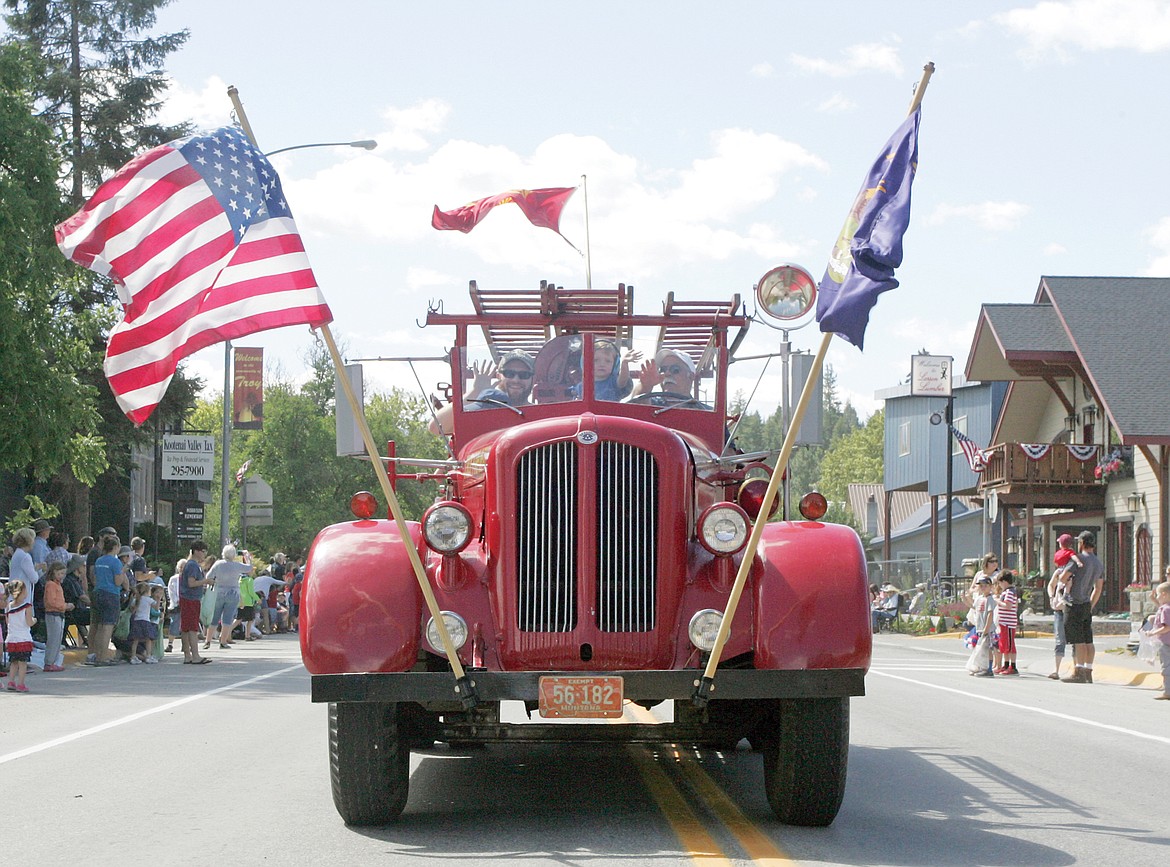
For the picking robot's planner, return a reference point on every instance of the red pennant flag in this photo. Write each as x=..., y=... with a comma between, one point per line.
x=541, y=207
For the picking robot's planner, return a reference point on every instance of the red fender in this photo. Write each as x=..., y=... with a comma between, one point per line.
x=812, y=599
x=361, y=607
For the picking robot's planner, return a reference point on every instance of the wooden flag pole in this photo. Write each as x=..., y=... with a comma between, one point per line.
x=464, y=688
x=706, y=684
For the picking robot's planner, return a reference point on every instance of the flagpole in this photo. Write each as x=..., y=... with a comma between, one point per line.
x=706, y=685
x=464, y=687
x=588, y=252
x=225, y=462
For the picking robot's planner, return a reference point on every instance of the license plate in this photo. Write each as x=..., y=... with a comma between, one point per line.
x=598, y=697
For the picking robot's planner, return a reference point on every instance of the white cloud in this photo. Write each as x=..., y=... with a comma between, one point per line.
x=1158, y=237
x=207, y=107
x=764, y=70
x=408, y=125
x=1053, y=26
x=836, y=104
x=993, y=216
x=864, y=57
x=1055, y=249
x=641, y=218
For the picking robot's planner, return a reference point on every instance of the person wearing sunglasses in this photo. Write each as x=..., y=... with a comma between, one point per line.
x=671, y=371
x=510, y=383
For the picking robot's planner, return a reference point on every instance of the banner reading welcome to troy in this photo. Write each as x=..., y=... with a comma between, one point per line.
x=248, y=389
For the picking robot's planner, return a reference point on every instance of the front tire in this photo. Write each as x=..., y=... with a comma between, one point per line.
x=806, y=754
x=369, y=764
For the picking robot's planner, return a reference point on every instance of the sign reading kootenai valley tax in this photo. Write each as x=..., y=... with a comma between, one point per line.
x=188, y=457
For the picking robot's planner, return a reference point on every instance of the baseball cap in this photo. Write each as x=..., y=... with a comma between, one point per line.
x=75, y=562
x=40, y=525
x=986, y=579
x=1064, y=539
x=686, y=360
x=107, y=531
x=126, y=551
x=521, y=356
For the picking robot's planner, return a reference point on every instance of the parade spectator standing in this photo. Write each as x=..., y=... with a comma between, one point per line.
x=91, y=558
x=226, y=574
x=143, y=623
x=40, y=549
x=1160, y=629
x=1057, y=591
x=173, y=619
x=21, y=567
x=979, y=663
x=1085, y=586
x=248, y=600
x=191, y=585
x=55, y=610
x=19, y=641
x=1007, y=616
x=107, y=599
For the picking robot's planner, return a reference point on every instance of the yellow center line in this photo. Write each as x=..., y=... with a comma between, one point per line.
x=686, y=825
x=758, y=846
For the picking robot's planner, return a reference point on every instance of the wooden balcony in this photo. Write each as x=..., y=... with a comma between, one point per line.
x=1056, y=480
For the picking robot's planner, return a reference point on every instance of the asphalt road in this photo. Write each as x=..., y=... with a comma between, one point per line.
x=197, y=764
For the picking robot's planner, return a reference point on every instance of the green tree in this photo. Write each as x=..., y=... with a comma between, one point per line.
x=854, y=457
x=102, y=82
x=50, y=418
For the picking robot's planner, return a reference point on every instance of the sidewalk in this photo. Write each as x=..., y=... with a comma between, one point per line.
x=1113, y=664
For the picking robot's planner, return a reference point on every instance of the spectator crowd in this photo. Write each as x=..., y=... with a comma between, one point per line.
x=101, y=595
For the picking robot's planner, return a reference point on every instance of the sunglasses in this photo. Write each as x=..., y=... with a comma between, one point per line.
x=671, y=370
x=517, y=374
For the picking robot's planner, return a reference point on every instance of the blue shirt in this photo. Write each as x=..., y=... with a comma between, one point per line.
x=105, y=570
x=191, y=570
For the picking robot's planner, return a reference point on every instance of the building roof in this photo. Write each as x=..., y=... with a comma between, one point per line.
x=1106, y=330
x=903, y=505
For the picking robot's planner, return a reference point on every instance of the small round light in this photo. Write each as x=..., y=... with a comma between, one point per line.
x=813, y=506
x=723, y=528
x=704, y=627
x=456, y=628
x=363, y=504
x=751, y=498
x=447, y=528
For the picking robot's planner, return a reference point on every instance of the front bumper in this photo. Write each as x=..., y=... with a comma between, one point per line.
x=492, y=686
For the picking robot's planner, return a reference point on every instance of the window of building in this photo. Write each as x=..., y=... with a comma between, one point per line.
x=903, y=439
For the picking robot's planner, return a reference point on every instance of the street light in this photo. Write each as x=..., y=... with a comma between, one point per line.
x=364, y=144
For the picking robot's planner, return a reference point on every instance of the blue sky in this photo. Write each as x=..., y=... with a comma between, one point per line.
x=719, y=140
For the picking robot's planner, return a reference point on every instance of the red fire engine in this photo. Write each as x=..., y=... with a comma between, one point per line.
x=581, y=555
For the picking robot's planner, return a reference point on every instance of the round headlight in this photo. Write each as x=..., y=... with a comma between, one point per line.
x=723, y=528
x=813, y=506
x=447, y=528
x=363, y=504
x=704, y=627
x=456, y=628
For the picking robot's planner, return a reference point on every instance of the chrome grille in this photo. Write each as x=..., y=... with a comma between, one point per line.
x=626, y=545
x=546, y=519
x=627, y=536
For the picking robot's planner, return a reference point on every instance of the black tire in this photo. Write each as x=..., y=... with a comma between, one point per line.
x=369, y=765
x=806, y=754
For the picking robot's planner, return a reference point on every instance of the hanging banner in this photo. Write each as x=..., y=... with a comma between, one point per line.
x=248, y=389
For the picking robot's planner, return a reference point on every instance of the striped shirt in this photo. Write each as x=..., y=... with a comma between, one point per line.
x=1009, y=605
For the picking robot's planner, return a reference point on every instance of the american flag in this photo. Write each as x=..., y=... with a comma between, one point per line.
x=976, y=457
x=199, y=240
x=242, y=470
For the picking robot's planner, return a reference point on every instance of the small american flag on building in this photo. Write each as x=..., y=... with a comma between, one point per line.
x=199, y=240
x=976, y=457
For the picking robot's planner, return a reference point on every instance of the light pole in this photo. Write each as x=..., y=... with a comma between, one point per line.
x=225, y=465
x=364, y=144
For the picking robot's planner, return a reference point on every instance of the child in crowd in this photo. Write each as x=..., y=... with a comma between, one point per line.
x=979, y=664
x=143, y=627
x=55, y=610
x=158, y=595
x=1161, y=630
x=1007, y=609
x=1066, y=552
x=19, y=642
